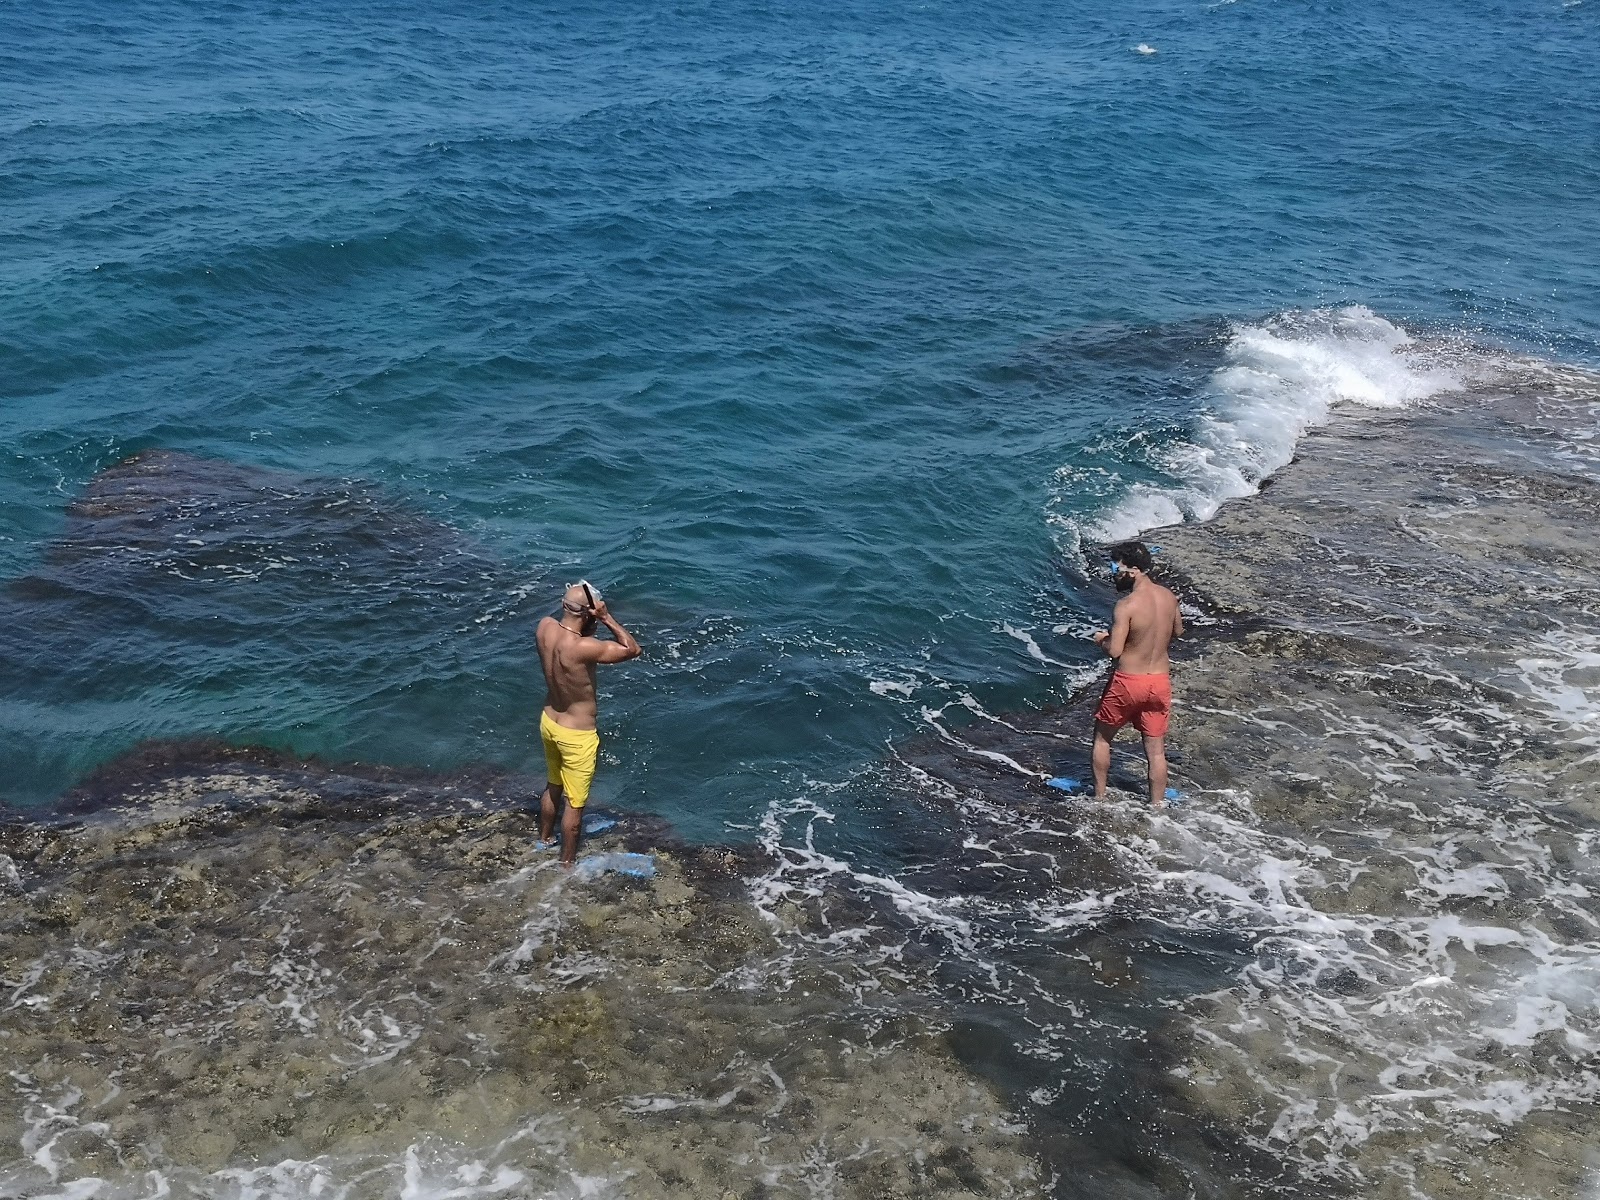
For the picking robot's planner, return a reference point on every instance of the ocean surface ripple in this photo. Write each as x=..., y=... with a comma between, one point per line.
x=832, y=342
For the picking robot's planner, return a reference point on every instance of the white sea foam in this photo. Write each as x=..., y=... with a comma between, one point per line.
x=1280, y=378
x=1427, y=990
x=531, y=1160
x=1429, y=1021
x=1562, y=673
x=897, y=687
x=1034, y=652
x=429, y=1169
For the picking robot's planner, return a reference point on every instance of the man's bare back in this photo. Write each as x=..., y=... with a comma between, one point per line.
x=1140, y=689
x=569, y=653
x=1147, y=620
x=569, y=692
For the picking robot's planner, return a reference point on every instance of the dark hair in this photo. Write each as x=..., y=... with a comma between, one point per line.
x=1132, y=554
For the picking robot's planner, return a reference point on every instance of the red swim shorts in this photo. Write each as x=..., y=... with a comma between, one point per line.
x=1146, y=700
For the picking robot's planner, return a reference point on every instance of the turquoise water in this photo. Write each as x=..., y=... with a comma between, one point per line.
x=821, y=338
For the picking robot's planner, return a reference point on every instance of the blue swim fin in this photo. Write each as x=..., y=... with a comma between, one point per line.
x=1062, y=784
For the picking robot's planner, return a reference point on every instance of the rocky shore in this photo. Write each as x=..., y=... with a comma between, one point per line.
x=1359, y=957
x=234, y=973
x=1388, y=735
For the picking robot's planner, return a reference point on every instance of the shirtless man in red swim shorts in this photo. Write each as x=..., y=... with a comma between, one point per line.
x=1140, y=691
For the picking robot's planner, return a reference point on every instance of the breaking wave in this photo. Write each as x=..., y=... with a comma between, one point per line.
x=1278, y=379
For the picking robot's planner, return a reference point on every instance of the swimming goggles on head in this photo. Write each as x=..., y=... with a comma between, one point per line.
x=589, y=593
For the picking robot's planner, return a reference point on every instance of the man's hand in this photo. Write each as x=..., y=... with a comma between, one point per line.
x=1100, y=638
x=621, y=650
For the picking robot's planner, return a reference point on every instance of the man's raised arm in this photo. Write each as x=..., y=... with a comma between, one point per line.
x=625, y=647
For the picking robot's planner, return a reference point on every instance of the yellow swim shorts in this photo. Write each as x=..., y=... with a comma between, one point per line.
x=569, y=756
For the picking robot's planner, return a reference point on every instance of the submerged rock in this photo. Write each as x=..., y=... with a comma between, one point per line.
x=186, y=593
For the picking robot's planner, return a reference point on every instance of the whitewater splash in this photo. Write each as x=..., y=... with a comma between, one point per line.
x=1280, y=378
x=1369, y=946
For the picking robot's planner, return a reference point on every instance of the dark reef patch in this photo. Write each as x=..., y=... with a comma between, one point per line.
x=191, y=595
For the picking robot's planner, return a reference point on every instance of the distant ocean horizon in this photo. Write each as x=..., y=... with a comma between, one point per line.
x=833, y=344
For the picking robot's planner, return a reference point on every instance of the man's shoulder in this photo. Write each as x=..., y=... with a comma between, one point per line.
x=1149, y=600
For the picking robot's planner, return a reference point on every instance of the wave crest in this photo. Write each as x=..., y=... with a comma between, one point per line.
x=1278, y=379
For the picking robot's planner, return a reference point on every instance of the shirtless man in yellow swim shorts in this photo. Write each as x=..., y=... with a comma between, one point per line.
x=568, y=651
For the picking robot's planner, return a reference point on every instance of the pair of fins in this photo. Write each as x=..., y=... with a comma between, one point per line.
x=1063, y=783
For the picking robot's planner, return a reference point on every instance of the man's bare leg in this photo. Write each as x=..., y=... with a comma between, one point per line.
x=1155, y=754
x=1100, y=758
x=571, y=832
x=548, y=804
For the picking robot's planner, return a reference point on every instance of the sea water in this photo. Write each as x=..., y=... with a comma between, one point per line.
x=806, y=333
x=830, y=342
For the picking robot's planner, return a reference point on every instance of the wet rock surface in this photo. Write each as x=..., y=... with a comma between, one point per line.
x=1359, y=957
x=230, y=973
x=1388, y=734
x=1405, y=685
